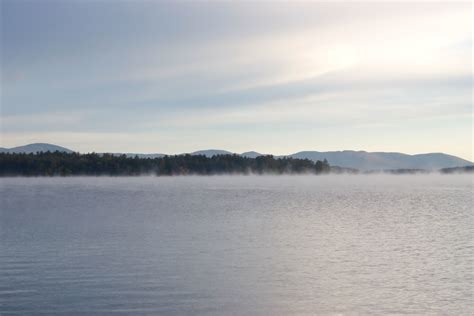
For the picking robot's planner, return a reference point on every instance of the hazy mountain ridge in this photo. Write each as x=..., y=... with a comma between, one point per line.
x=34, y=148
x=132, y=155
x=211, y=152
x=361, y=160
x=384, y=160
x=251, y=154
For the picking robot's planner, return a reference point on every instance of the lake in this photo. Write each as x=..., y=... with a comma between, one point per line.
x=242, y=245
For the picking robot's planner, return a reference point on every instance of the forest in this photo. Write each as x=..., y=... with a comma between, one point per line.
x=94, y=164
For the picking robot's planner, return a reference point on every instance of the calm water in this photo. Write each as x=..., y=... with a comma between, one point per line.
x=237, y=245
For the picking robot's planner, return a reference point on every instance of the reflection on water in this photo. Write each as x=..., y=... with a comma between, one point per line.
x=237, y=245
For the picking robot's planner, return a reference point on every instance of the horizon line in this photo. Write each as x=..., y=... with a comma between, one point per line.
x=234, y=152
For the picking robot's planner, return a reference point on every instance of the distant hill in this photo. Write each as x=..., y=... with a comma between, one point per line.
x=34, y=148
x=251, y=154
x=214, y=152
x=145, y=155
x=211, y=152
x=132, y=155
x=363, y=160
x=347, y=159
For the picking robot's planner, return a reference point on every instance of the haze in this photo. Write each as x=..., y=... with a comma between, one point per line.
x=130, y=76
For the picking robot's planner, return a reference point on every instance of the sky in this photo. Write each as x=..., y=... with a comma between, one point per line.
x=274, y=77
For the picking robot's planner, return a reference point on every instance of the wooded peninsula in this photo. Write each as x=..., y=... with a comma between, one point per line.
x=93, y=164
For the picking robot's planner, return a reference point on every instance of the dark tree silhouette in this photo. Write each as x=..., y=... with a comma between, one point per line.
x=65, y=164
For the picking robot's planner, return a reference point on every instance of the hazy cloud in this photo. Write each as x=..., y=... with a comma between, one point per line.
x=346, y=68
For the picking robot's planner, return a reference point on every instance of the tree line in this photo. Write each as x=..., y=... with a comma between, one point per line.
x=65, y=164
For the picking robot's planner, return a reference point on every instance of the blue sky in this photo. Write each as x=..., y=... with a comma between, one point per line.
x=275, y=77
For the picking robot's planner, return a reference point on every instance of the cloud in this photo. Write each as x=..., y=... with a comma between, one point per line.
x=228, y=68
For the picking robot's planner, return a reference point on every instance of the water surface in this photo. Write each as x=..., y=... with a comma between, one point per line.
x=243, y=245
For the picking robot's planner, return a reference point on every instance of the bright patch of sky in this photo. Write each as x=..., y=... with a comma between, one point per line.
x=275, y=77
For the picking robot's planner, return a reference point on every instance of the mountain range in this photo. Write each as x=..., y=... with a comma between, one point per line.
x=34, y=148
x=361, y=160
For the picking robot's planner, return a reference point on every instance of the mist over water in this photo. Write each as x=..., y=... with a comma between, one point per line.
x=246, y=245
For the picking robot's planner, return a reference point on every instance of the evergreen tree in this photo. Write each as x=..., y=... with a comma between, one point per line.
x=65, y=164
